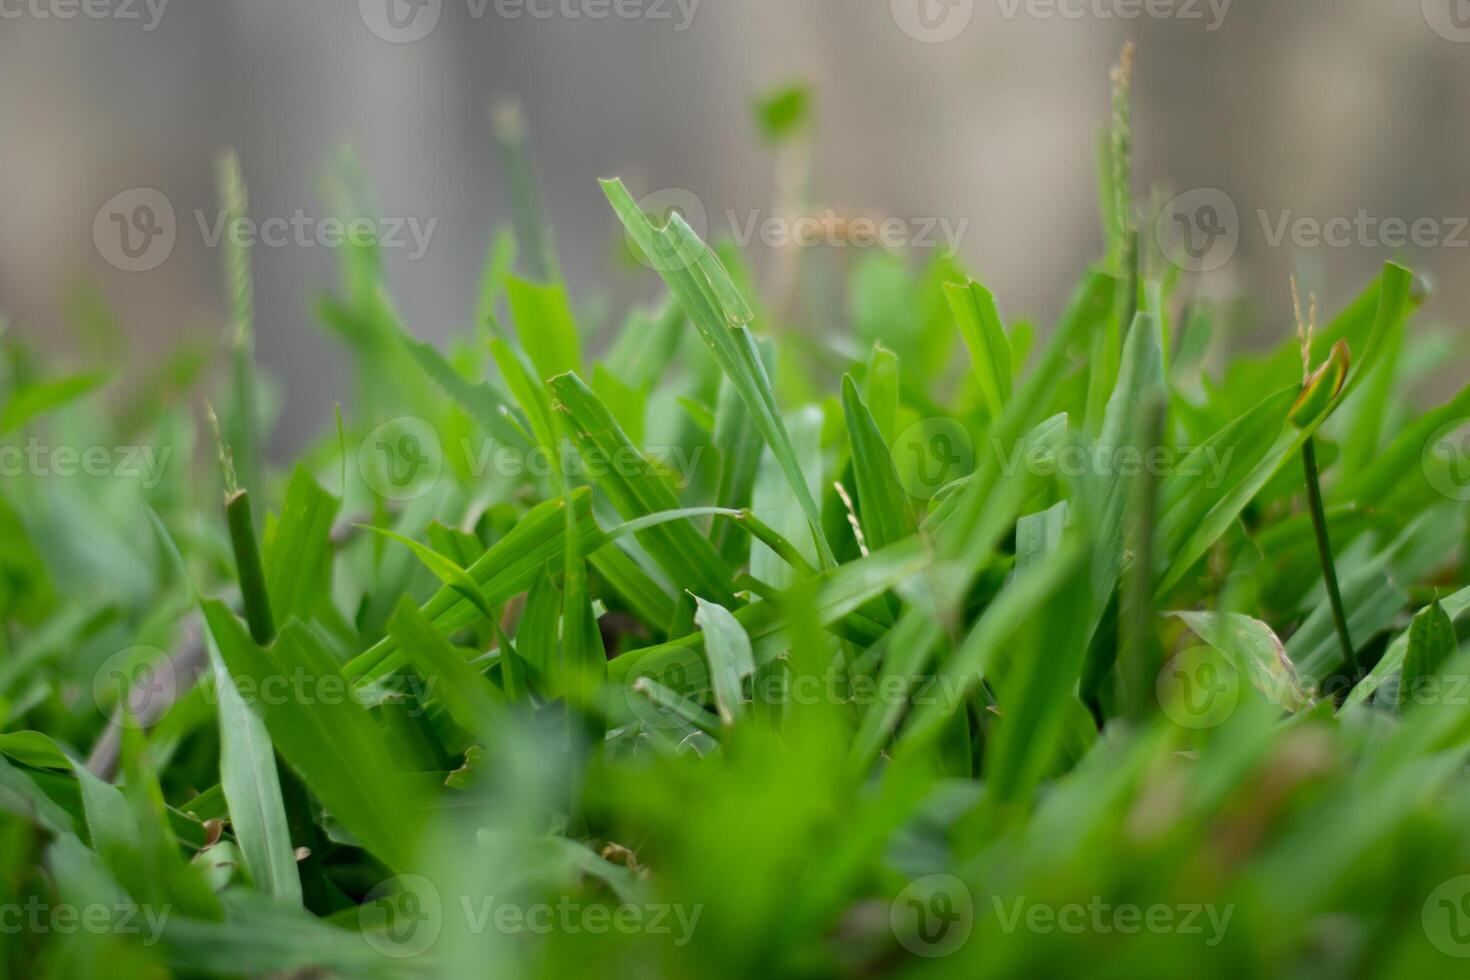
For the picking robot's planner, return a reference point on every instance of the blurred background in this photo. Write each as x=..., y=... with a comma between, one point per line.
x=986, y=113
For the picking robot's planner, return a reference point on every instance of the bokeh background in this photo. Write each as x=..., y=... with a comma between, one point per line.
x=1320, y=107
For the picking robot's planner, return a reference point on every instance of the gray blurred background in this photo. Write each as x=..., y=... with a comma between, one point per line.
x=1323, y=107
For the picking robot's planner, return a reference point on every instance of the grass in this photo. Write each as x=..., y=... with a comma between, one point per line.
x=937, y=644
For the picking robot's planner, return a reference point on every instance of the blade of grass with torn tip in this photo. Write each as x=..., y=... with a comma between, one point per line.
x=712, y=303
x=298, y=558
x=636, y=490
x=545, y=326
x=445, y=569
x=884, y=508
x=333, y=743
x=469, y=698
x=730, y=660
x=985, y=339
x=252, y=789
x=504, y=571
